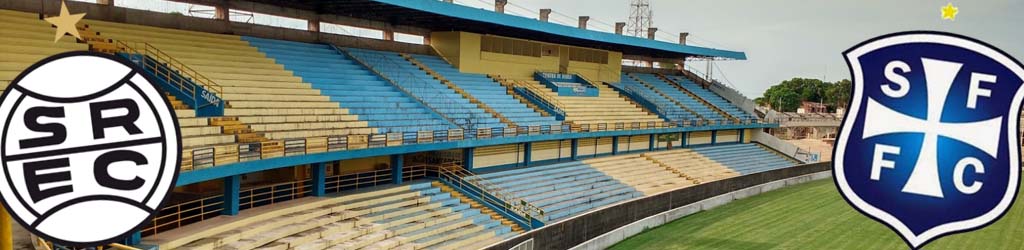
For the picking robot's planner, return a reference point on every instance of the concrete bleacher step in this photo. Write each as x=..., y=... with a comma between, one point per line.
x=745, y=158
x=242, y=132
x=561, y=189
x=692, y=164
x=413, y=216
x=476, y=205
x=255, y=86
x=641, y=172
x=607, y=107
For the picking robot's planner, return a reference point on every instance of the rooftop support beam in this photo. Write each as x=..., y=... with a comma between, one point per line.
x=389, y=35
x=583, y=22
x=222, y=7
x=313, y=24
x=499, y=5
x=221, y=12
x=619, y=26
x=545, y=14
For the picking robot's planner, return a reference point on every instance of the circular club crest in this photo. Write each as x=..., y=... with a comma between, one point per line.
x=90, y=148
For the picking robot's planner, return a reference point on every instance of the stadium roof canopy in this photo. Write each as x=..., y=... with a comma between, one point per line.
x=441, y=16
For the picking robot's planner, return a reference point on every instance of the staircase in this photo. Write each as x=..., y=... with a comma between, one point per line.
x=484, y=190
x=232, y=126
x=458, y=90
x=476, y=205
x=714, y=107
x=509, y=89
x=667, y=97
x=175, y=103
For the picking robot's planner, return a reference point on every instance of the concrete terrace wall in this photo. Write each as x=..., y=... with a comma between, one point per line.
x=578, y=230
x=615, y=236
x=177, y=21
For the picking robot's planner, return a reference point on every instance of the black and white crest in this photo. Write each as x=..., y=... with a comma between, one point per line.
x=90, y=149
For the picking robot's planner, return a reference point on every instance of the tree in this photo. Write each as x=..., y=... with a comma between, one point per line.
x=839, y=93
x=787, y=95
x=668, y=139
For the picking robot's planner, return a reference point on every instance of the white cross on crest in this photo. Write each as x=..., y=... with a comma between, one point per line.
x=924, y=180
x=916, y=203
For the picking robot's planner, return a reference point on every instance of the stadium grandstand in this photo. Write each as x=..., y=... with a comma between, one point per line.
x=492, y=130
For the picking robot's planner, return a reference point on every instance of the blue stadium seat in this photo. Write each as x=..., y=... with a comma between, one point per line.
x=712, y=98
x=671, y=110
x=353, y=86
x=562, y=190
x=746, y=158
x=431, y=91
x=489, y=92
x=679, y=96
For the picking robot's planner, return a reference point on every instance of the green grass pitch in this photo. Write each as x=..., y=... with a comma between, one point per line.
x=808, y=216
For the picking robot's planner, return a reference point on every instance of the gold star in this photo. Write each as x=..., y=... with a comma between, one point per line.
x=65, y=22
x=949, y=12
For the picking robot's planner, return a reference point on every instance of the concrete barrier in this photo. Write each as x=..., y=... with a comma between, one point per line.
x=601, y=228
x=608, y=239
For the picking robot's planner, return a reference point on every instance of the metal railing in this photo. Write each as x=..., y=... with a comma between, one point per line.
x=184, y=213
x=160, y=64
x=534, y=92
x=41, y=244
x=180, y=214
x=490, y=193
x=431, y=92
x=634, y=90
x=696, y=96
x=204, y=157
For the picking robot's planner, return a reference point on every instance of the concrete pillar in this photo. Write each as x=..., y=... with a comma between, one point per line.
x=741, y=134
x=105, y=2
x=389, y=35
x=314, y=24
x=682, y=37
x=527, y=154
x=575, y=151
x=583, y=22
x=615, y=145
x=685, y=134
x=232, y=187
x=544, y=14
x=651, y=32
x=652, y=143
x=467, y=158
x=714, y=137
x=619, y=26
x=499, y=5
x=397, y=163
x=319, y=175
x=221, y=13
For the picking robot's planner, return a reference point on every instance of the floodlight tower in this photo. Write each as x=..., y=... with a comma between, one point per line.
x=640, y=18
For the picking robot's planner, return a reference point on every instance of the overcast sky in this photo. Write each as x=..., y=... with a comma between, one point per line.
x=782, y=38
x=793, y=38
